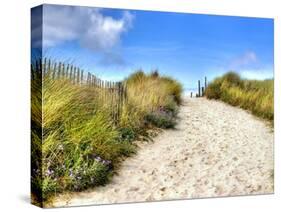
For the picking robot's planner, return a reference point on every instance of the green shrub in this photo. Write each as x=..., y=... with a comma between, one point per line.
x=172, y=108
x=161, y=119
x=213, y=90
x=232, y=78
x=127, y=134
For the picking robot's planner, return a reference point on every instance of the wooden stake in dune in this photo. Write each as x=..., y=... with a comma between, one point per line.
x=62, y=70
x=205, y=83
x=45, y=66
x=54, y=71
x=199, y=90
x=74, y=75
x=190, y=94
x=59, y=70
x=49, y=67
x=82, y=76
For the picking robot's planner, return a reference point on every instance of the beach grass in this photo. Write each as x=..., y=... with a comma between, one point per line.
x=256, y=96
x=75, y=143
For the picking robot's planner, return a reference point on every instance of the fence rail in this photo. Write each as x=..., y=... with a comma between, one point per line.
x=112, y=93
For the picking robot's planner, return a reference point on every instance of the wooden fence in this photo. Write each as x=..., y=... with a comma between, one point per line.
x=201, y=89
x=111, y=93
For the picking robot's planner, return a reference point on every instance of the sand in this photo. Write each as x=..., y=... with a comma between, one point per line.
x=216, y=150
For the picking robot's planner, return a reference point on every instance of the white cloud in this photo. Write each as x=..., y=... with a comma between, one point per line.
x=248, y=58
x=88, y=26
x=105, y=32
x=249, y=67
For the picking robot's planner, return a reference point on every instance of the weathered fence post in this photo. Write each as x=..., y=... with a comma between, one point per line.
x=199, y=90
x=191, y=95
x=82, y=76
x=119, y=100
x=45, y=66
x=59, y=70
x=205, y=83
x=88, y=79
x=39, y=65
x=67, y=71
x=70, y=74
x=103, y=90
x=93, y=82
x=62, y=70
x=203, y=91
x=54, y=71
x=49, y=67
x=125, y=94
x=78, y=76
x=74, y=75
x=115, y=107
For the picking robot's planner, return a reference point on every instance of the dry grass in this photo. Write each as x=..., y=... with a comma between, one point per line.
x=253, y=95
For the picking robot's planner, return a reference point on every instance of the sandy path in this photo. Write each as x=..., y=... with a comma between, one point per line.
x=216, y=150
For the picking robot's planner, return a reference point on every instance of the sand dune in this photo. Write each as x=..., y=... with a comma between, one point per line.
x=215, y=150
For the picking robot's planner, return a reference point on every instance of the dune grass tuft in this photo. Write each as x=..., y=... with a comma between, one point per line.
x=151, y=99
x=256, y=96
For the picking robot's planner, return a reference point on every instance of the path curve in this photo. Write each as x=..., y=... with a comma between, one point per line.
x=215, y=150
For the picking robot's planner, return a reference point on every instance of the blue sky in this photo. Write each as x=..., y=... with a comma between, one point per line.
x=114, y=43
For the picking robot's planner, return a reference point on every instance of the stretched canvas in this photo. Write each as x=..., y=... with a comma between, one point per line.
x=135, y=106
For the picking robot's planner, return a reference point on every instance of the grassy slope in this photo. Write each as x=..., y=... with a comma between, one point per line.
x=81, y=146
x=253, y=95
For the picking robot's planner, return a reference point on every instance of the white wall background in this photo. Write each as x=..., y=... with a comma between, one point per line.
x=15, y=106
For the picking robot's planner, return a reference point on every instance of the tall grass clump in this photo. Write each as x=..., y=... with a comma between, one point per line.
x=36, y=138
x=75, y=142
x=152, y=101
x=256, y=96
